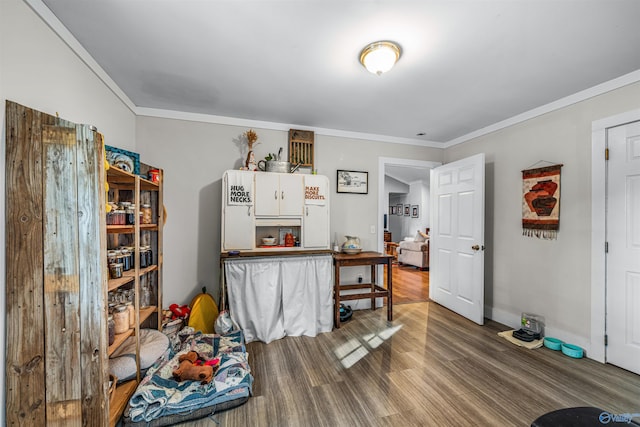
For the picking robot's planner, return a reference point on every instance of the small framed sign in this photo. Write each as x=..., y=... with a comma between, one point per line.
x=355, y=182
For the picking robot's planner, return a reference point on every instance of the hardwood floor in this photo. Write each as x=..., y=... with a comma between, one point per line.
x=429, y=367
x=409, y=284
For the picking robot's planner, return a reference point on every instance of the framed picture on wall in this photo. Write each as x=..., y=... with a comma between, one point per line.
x=415, y=211
x=399, y=209
x=355, y=182
x=407, y=210
x=392, y=210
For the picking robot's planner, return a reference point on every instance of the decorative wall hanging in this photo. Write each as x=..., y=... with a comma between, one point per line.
x=415, y=211
x=301, y=148
x=541, y=202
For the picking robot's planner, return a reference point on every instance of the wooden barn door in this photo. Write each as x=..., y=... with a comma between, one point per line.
x=56, y=289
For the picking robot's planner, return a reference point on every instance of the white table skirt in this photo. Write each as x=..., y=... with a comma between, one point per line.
x=272, y=297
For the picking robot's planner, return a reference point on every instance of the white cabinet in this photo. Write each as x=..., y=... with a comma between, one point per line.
x=279, y=194
x=238, y=220
x=239, y=230
x=316, y=212
x=262, y=204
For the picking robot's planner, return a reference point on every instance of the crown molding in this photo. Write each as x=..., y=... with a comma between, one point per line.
x=591, y=92
x=65, y=35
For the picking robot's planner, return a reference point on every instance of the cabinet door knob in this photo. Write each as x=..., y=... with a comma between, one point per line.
x=282, y=195
x=275, y=195
x=307, y=210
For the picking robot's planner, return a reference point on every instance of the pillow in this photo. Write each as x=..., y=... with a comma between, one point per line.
x=420, y=237
x=153, y=344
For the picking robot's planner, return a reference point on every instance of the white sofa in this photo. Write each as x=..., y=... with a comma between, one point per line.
x=414, y=251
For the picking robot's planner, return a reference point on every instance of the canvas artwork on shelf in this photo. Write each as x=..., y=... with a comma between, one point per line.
x=123, y=159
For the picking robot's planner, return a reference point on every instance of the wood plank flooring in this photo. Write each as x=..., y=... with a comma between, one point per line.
x=409, y=284
x=429, y=367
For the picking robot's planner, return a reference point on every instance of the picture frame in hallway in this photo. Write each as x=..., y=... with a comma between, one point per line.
x=354, y=182
x=399, y=209
x=392, y=210
x=407, y=210
x=415, y=211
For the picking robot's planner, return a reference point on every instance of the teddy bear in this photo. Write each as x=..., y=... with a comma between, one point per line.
x=193, y=368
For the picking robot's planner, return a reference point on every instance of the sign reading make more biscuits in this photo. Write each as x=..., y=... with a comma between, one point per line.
x=315, y=190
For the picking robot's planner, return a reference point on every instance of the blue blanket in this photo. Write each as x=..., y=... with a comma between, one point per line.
x=158, y=394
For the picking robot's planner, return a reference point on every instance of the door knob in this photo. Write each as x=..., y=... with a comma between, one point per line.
x=477, y=247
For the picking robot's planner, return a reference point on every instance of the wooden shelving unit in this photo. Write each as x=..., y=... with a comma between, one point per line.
x=119, y=399
x=124, y=186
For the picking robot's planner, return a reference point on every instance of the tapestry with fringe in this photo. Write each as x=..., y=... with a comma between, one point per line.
x=541, y=202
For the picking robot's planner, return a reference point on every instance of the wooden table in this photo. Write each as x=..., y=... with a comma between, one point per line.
x=372, y=259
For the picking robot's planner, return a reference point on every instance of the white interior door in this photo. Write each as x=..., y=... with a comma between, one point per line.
x=457, y=237
x=623, y=238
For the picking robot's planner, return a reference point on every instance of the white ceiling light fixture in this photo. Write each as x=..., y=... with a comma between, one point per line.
x=379, y=57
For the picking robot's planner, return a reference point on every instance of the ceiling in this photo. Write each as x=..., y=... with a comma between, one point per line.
x=465, y=65
x=408, y=174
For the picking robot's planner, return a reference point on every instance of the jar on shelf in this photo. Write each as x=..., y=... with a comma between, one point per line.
x=121, y=319
x=154, y=175
x=111, y=257
x=115, y=270
x=112, y=329
x=144, y=257
x=118, y=217
x=126, y=259
x=145, y=297
x=132, y=314
x=130, y=215
x=145, y=210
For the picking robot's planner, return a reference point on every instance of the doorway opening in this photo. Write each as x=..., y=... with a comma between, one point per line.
x=403, y=210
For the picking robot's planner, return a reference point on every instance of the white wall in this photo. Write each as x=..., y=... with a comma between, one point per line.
x=406, y=226
x=38, y=70
x=391, y=188
x=523, y=274
x=194, y=156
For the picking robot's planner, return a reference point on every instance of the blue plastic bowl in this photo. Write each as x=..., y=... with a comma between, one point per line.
x=572, y=351
x=553, y=343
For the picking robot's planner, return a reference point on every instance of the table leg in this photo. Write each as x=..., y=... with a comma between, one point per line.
x=336, y=296
x=373, y=286
x=390, y=290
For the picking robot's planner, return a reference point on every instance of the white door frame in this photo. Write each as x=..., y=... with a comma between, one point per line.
x=383, y=205
x=598, y=228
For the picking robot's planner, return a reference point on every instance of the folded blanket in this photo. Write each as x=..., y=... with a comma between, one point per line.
x=159, y=394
